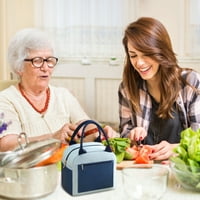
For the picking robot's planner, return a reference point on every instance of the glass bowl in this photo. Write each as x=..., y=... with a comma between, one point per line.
x=143, y=182
x=187, y=178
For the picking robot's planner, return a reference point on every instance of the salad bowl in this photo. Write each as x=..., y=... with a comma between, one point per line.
x=185, y=164
x=187, y=178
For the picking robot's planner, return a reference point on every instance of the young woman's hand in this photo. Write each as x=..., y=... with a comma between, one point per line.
x=162, y=151
x=137, y=134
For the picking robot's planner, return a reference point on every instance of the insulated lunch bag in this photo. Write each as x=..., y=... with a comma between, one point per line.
x=88, y=167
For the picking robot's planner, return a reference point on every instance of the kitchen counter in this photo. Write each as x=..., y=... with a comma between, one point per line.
x=173, y=192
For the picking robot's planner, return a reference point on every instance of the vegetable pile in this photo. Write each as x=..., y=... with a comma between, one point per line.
x=124, y=151
x=187, y=158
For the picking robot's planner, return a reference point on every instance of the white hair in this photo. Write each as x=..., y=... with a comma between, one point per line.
x=22, y=43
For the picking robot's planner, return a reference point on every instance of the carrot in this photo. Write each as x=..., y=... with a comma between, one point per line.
x=55, y=157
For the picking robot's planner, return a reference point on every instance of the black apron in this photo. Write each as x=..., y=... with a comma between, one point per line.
x=163, y=129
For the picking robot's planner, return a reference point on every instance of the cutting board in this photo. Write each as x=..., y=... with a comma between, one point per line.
x=132, y=164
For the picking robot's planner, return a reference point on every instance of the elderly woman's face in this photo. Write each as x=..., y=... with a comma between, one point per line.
x=144, y=65
x=37, y=77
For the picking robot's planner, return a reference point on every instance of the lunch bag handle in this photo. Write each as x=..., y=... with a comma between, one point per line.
x=84, y=125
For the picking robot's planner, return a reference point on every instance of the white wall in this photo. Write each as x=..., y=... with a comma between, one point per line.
x=172, y=14
x=96, y=85
x=14, y=15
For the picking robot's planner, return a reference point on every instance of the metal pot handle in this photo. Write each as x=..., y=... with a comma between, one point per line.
x=8, y=179
x=19, y=139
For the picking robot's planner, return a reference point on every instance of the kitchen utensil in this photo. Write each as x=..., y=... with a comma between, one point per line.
x=28, y=183
x=185, y=176
x=145, y=183
x=30, y=154
x=130, y=163
x=19, y=179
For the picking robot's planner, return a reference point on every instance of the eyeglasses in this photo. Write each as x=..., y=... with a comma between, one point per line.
x=39, y=61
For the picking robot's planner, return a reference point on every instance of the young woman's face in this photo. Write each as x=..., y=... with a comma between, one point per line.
x=144, y=65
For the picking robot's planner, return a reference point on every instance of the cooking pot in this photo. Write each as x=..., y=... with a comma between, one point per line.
x=4, y=154
x=20, y=179
x=30, y=154
x=28, y=183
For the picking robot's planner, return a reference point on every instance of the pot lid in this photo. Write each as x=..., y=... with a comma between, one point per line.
x=31, y=154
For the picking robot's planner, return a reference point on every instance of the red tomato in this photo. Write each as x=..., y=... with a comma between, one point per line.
x=135, y=147
x=142, y=159
x=143, y=155
x=145, y=149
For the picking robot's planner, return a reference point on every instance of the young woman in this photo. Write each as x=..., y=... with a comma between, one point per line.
x=157, y=98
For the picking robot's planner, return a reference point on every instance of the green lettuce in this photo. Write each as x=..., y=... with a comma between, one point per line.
x=118, y=146
x=187, y=157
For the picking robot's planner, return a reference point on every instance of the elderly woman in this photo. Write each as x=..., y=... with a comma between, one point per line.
x=40, y=110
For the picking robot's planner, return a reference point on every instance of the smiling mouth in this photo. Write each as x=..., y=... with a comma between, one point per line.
x=144, y=70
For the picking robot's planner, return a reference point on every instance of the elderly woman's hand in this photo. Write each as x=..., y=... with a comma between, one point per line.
x=162, y=151
x=92, y=132
x=110, y=132
x=65, y=133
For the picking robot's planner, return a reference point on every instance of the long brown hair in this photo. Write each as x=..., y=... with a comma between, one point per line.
x=149, y=36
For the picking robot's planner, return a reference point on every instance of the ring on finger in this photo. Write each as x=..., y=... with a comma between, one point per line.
x=68, y=138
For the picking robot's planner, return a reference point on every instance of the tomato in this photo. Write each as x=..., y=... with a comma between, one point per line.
x=131, y=153
x=142, y=159
x=145, y=149
x=143, y=155
x=135, y=147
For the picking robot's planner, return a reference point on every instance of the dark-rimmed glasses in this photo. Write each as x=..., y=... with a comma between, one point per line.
x=39, y=61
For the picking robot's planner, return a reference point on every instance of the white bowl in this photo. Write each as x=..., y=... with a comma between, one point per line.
x=145, y=183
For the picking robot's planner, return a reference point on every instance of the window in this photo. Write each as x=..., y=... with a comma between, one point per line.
x=193, y=33
x=86, y=28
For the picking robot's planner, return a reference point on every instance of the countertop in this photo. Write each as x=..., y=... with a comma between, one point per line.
x=173, y=192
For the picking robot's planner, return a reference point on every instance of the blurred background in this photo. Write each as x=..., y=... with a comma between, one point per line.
x=87, y=36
